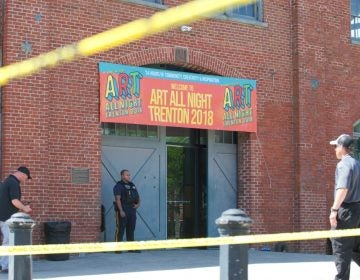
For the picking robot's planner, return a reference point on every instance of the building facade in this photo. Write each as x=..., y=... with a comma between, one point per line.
x=303, y=56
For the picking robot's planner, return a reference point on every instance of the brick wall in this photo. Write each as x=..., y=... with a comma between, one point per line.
x=1, y=28
x=50, y=120
x=323, y=52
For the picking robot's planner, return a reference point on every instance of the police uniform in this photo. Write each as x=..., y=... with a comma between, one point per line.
x=129, y=196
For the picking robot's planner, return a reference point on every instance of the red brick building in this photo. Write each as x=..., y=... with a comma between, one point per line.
x=304, y=56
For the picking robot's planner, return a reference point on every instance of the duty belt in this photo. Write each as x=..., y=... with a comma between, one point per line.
x=350, y=203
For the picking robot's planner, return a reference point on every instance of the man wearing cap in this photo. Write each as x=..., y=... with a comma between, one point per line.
x=127, y=200
x=345, y=210
x=10, y=203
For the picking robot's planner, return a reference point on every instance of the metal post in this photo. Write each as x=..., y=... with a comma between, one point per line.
x=233, y=258
x=21, y=225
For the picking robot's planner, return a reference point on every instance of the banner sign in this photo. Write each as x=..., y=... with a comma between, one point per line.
x=148, y=96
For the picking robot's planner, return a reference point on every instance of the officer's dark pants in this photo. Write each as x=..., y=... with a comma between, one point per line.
x=127, y=224
x=348, y=217
x=356, y=250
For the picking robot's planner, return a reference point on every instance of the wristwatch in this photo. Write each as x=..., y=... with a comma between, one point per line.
x=334, y=210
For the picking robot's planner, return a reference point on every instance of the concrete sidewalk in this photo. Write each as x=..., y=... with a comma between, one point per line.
x=185, y=264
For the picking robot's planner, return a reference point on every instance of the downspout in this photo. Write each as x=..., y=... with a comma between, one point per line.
x=1, y=88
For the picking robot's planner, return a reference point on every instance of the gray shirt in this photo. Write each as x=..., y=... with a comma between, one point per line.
x=347, y=175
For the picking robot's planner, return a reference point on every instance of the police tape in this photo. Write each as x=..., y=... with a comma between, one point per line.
x=132, y=31
x=172, y=244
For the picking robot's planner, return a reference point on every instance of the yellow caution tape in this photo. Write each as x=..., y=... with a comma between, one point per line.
x=135, y=30
x=177, y=243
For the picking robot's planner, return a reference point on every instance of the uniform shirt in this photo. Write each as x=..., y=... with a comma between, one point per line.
x=9, y=190
x=347, y=175
x=127, y=192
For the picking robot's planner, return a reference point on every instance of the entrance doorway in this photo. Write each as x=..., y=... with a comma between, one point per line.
x=186, y=178
x=186, y=182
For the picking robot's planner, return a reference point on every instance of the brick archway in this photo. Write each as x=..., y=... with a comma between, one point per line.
x=197, y=61
x=248, y=187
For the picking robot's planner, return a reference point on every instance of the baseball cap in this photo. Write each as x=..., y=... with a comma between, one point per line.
x=344, y=140
x=25, y=170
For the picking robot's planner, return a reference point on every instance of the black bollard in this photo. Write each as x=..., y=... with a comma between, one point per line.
x=21, y=225
x=233, y=258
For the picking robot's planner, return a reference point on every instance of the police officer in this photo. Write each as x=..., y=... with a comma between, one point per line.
x=127, y=200
x=345, y=210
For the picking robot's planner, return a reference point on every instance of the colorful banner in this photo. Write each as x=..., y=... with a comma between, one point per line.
x=148, y=96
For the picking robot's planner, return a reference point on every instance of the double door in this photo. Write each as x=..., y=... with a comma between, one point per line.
x=185, y=182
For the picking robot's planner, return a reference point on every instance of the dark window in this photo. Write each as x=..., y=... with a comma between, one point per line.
x=356, y=149
x=356, y=129
x=356, y=133
x=355, y=19
x=252, y=11
x=154, y=1
x=132, y=130
x=225, y=137
x=177, y=135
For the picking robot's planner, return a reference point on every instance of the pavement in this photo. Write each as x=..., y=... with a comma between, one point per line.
x=176, y=264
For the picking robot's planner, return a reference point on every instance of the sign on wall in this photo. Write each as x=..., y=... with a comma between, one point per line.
x=137, y=95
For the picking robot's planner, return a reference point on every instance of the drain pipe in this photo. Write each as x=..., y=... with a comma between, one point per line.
x=2, y=31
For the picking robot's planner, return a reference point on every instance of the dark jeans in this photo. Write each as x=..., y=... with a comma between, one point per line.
x=348, y=217
x=127, y=224
x=356, y=251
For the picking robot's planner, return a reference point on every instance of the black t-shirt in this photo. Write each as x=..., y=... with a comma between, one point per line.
x=9, y=190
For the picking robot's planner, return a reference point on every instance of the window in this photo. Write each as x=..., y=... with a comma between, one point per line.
x=225, y=137
x=356, y=149
x=154, y=1
x=252, y=11
x=356, y=133
x=356, y=129
x=132, y=130
x=355, y=19
x=179, y=135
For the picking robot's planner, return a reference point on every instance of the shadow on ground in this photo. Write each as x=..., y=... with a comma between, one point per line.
x=155, y=260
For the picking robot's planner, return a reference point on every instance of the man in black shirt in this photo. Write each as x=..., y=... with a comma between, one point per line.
x=10, y=203
x=126, y=202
